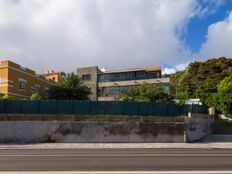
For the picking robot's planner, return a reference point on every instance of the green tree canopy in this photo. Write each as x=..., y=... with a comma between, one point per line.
x=206, y=91
x=181, y=97
x=223, y=99
x=145, y=93
x=199, y=75
x=70, y=88
x=200, y=79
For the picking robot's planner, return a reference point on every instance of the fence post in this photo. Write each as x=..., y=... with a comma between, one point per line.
x=38, y=106
x=106, y=108
x=55, y=108
x=168, y=113
x=90, y=107
x=3, y=106
x=153, y=109
x=122, y=108
x=72, y=107
x=138, y=110
x=21, y=106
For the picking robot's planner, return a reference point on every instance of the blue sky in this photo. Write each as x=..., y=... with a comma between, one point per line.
x=198, y=26
x=112, y=34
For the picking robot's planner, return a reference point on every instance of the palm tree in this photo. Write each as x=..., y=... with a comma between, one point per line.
x=70, y=88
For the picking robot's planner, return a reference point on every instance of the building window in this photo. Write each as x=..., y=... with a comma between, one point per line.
x=36, y=88
x=22, y=84
x=86, y=77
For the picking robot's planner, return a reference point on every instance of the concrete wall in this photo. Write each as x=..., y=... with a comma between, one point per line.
x=197, y=127
x=45, y=131
x=67, y=129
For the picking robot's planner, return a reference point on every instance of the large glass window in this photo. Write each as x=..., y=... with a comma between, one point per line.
x=111, y=91
x=124, y=76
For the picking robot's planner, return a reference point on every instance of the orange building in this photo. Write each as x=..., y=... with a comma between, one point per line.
x=19, y=82
x=52, y=75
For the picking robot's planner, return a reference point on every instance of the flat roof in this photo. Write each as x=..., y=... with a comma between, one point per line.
x=148, y=68
x=50, y=73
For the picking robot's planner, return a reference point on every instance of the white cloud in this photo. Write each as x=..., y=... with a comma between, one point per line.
x=219, y=40
x=169, y=70
x=62, y=35
x=178, y=67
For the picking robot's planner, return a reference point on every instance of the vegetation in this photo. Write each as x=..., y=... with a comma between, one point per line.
x=70, y=88
x=35, y=96
x=223, y=99
x=206, y=92
x=209, y=81
x=174, y=82
x=145, y=93
x=181, y=98
x=1, y=96
x=200, y=74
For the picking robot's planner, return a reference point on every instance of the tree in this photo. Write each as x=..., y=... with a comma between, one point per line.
x=145, y=93
x=181, y=97
x=1, y=96
x=206, y=91
x=174, y=82
x=195, y=77
x=223, y=99
x=35, y=96
x=70, y=88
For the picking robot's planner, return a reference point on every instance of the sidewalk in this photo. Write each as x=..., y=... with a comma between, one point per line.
x=213, y=141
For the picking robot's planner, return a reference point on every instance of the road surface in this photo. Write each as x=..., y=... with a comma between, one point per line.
x=201, y=160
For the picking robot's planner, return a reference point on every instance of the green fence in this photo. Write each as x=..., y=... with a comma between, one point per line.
x=98, y=108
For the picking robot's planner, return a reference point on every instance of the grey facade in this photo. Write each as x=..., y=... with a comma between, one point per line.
x=89, y=77
x=107, y=85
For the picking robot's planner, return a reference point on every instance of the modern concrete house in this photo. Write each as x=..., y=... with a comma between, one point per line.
x=107, y=85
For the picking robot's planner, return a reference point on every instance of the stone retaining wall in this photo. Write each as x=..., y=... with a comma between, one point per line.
x=73, y=132
x=191, y=129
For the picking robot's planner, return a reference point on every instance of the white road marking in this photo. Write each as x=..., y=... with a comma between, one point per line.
x=121, y=172
x=118, y=155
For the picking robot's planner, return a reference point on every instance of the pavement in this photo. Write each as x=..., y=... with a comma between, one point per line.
x=212, y=141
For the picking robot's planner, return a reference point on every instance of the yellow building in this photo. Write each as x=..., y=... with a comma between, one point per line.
x=52, y=75
x=19, y=82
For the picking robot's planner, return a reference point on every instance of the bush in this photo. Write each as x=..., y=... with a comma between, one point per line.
x=146, y=93
x=35, y=96
x=1, y=96
x=223, y=99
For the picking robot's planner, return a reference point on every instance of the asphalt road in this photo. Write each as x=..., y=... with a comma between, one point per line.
x=116, y=160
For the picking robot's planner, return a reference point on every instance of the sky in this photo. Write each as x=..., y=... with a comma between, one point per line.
x=113, y=34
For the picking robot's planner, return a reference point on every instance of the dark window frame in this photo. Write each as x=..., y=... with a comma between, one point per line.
x=86, y=77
